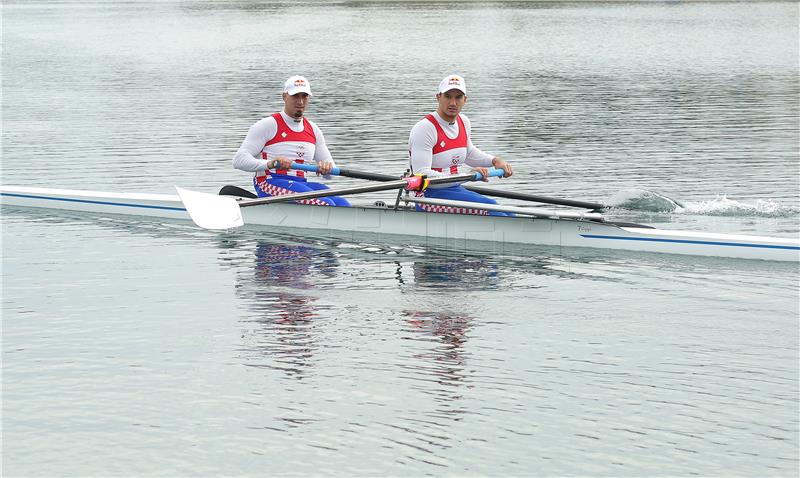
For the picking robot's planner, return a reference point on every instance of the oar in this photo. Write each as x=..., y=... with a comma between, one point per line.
x=478, y=189
x=531, y=197
x=211, y=211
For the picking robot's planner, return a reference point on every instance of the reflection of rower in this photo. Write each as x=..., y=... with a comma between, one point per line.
x=280, y=331
x=292, y=264
x=450, y=328
x=441, y=365
x=456, y=272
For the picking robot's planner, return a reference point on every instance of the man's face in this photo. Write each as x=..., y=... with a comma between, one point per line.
x=295, y=105
x=450, y=103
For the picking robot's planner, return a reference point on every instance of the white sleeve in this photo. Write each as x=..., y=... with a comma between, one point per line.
x=420, y=147
x=475, y=157
x=321, y=152
x=248, y=157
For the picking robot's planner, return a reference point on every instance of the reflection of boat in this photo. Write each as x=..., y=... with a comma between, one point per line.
x=561, y=232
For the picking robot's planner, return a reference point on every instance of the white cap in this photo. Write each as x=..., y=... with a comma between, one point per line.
x=297, y=84
x=451, y=82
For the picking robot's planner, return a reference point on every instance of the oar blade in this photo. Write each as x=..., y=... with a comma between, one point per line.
x=211, y=211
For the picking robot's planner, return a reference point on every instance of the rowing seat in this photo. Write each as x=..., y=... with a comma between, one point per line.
x=229, y=190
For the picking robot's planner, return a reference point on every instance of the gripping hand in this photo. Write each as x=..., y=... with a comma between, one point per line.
x=417, y=182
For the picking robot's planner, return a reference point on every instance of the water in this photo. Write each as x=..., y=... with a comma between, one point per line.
x=155, y=348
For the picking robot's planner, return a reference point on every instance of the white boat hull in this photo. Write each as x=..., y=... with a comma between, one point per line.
x=512, y=230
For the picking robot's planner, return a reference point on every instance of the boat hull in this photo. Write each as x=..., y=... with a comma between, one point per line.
x=455, y=227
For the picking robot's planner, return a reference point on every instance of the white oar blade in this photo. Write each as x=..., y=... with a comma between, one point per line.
x=211, y=211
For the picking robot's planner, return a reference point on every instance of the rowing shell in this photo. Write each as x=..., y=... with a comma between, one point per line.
x=534, y=230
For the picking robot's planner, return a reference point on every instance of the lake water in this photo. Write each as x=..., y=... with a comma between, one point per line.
x=154, y=348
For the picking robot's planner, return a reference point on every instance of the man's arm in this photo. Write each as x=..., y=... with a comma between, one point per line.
x=248, y=157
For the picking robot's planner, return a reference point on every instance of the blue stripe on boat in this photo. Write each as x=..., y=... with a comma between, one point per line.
x=687, y=241
x=87, y=201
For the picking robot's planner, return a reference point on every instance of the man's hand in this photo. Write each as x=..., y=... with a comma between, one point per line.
x=500, y=164
x=417, y=182
x=324, y=169
x=484, y=172
x=280, y=162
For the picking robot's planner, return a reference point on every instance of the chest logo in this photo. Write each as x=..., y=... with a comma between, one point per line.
x=442, y=144
x=283, y=135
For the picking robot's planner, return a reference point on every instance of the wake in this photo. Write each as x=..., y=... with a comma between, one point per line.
x=721, y=205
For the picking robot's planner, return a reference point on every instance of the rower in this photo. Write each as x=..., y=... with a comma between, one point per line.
x=440, y=144
x=274, y=142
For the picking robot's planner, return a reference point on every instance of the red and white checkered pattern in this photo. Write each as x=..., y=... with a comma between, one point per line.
x=276, y=191
x=453, y=210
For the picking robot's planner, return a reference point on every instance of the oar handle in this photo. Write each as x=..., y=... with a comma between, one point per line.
x=312, y=168
x=493, y=173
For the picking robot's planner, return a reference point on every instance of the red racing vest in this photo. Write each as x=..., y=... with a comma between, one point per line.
x=295, y=145
x=449, y=153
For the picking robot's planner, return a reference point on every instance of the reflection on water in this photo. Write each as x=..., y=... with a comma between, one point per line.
x=408, y=352
x=437, y=350
x=278, y=289
x=444, y=361
x=292, y=265
x=457, y=273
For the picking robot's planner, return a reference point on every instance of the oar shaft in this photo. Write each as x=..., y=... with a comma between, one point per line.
x=349, y=173
x=531, y=197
